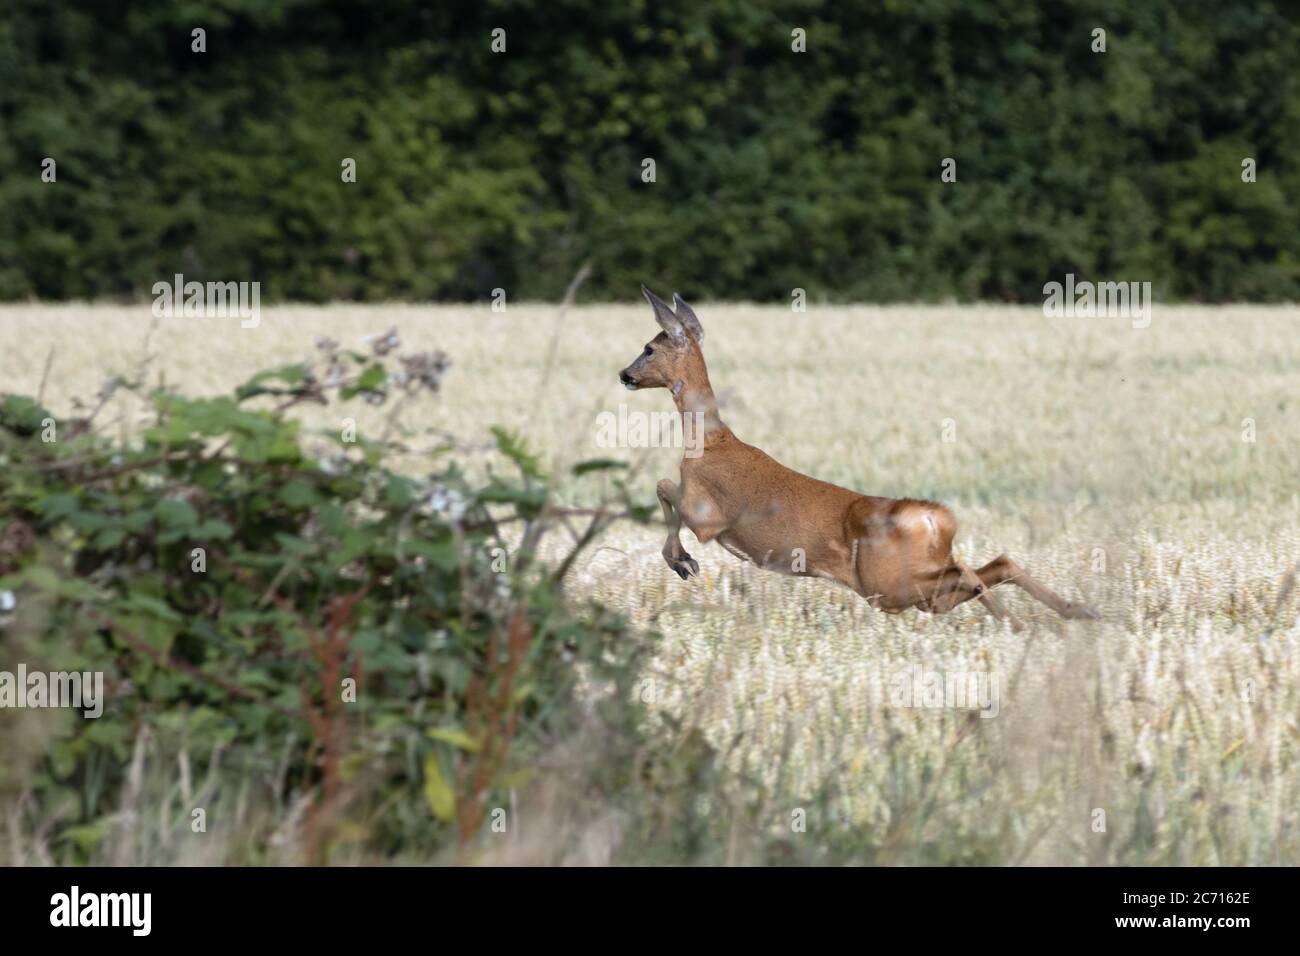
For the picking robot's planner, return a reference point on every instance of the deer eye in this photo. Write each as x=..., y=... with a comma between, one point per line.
x=649, y=350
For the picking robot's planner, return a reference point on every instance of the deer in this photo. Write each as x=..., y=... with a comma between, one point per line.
x=897, y=553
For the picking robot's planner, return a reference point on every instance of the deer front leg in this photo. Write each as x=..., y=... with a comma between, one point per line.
x=1002, y=569
x=671, y=500
x=957, y=584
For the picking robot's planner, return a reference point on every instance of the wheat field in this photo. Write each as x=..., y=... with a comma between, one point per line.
x=1152, y=472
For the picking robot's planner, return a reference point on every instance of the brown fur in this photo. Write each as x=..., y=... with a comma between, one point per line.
x=895, y=552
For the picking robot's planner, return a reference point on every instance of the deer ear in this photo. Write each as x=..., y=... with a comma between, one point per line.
x=665, y=317
x=687, y=316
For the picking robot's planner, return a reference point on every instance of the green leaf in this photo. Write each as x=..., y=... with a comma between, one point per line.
x=154, y=631
x=370, y=380
x=290, y=375
x=352, y=545
x=88, y=836
x=400, y=491
x=214, y=530
x=441, y=554
x=42, y=578
x=332, y=518
x=598, y=464
x=516, y=449
x=294, y=546
x=56, y=507
x=89, y=521
x=22, y=415
x=367, y=641
x=138, y=522
x=109, y=538
x=176, y=515
x=372, y=377
x=147, y=604
x=298, y=494
x=204, y=416
x=456, y=737
x=437, y=793
x=525, y=498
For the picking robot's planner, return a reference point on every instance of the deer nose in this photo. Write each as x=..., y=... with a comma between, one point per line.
x=624, y=377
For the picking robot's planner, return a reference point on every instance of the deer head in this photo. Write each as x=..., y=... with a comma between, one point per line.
x=673, y=356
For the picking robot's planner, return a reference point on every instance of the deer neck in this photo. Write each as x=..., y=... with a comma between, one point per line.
x=693, y=396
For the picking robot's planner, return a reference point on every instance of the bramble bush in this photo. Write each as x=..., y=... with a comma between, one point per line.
x=382, y=658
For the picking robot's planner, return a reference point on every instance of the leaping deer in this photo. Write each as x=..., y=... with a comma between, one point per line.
x=895, y=552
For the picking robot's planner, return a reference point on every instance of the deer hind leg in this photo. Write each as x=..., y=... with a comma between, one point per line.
x=671, y=500
x=1002, y=570
x=957, y=584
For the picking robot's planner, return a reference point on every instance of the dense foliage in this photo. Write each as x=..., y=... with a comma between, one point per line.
x=774, y=169
x=382, y=658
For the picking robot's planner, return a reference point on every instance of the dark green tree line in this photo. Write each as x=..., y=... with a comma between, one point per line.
x=774, y=169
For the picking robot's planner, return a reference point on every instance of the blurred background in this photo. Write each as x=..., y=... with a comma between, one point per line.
x=773, y=169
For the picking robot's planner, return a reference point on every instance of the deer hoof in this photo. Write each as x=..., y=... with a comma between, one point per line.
x=684, y=565
x=1081, y=612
